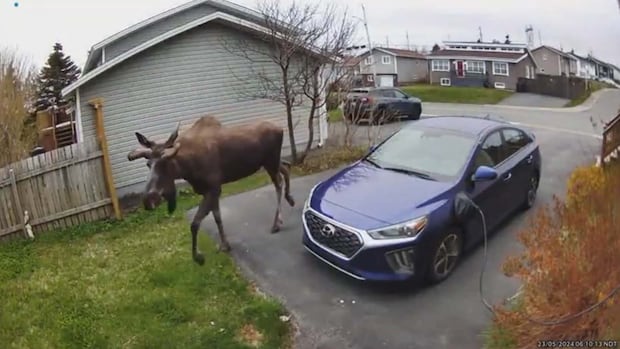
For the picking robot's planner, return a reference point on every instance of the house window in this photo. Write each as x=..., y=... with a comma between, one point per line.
x=475, y=67
x=441, y=65
x=368, y=60
x=500, y=68
x=370, y=78
x=444, y=82
x=386, y=59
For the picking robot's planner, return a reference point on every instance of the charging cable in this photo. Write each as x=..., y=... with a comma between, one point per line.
x=561, y=320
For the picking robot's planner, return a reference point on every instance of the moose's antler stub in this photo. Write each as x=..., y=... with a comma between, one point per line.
x=139, y=153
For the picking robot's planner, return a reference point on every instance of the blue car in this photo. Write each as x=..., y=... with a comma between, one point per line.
x=410, y=207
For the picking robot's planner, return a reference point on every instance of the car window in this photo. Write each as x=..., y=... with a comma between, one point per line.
x=388, y=93
x=514, y=140
x=399, y=94
x=490, y=154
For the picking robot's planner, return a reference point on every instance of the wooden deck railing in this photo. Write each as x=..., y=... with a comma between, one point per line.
x=611, y=141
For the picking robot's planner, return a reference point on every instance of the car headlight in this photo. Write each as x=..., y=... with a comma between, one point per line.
x=407, y=229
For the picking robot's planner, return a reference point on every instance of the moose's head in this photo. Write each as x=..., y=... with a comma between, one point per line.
x=161, y=178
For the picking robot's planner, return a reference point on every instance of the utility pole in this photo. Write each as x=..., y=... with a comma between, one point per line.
x=372, y=66
x=409, y=46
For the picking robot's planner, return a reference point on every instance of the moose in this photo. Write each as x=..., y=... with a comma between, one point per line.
x=207, y=156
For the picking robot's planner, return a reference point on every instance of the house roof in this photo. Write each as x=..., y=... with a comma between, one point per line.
x=96, y=50
x=217, y=16
x=556, y=51
x=401, y=53
x=512, y=57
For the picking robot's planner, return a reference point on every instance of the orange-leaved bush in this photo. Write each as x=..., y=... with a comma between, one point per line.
x=570, y=262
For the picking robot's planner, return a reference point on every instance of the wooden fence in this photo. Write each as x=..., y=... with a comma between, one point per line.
x=610, y=148
x=558, y=86
x=60, y=188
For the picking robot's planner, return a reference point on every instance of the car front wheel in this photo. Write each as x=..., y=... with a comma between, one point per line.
x=445, y=256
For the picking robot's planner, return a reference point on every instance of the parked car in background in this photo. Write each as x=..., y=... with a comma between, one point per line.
x=380, y=104
x=399, y=213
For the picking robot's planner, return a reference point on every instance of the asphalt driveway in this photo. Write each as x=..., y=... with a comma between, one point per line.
x=334, y=311
x=534, y=100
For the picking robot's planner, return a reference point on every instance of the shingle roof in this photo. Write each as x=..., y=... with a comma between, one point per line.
x=556, y=51
x=481, y=54
x=403, y=53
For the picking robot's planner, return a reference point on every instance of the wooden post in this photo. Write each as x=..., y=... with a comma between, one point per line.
x=18, y=203
x=97, y=104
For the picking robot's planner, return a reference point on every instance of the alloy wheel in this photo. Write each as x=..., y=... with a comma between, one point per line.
x=447, y=255
x=531, y=192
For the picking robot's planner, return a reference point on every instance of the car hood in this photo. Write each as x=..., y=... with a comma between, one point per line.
x=367, y=197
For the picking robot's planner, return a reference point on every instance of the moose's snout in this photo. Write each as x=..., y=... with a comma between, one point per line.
x=151, y=201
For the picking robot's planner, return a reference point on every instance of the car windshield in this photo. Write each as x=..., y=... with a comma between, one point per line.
x=429, y=153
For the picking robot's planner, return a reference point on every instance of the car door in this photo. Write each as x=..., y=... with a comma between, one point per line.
x=489, y=195
x=391, y=102
x=405, y=107
x=519, y=160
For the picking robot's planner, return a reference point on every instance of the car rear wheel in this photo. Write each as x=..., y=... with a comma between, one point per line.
x=445, y=256
x=532, y=189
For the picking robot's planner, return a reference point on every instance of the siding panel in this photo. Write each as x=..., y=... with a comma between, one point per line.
x=180, y=79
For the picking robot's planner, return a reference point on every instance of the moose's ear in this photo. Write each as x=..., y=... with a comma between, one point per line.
x=143, y=140
x=173, y=136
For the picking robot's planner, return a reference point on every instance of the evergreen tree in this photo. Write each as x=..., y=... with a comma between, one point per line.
x=59, y=72
x=436, y=48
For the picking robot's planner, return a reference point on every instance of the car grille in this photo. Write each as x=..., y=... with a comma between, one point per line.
x=342, y=241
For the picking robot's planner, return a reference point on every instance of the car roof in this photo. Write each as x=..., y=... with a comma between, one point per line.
x=472, y=125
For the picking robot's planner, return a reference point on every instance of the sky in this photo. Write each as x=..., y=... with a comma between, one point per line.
x=33, y=26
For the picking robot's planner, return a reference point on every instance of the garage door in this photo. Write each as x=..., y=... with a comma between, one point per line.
x=386, y=81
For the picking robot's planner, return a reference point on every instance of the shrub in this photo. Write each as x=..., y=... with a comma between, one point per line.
x=570, y=262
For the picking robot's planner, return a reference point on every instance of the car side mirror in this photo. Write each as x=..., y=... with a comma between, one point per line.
x=484, y=173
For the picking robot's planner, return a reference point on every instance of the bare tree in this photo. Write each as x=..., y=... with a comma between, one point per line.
x=306, y=42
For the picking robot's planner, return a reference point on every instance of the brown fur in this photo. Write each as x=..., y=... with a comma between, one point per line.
x=208, y=155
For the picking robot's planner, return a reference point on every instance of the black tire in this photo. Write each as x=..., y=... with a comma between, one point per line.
x=450, y=242
x=532, y=189
x=379, y=116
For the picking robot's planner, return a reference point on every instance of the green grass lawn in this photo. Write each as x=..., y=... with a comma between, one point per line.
x=133, y=284
x=455, y=94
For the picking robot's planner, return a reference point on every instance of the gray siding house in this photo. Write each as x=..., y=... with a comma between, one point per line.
x=393, y=67
x=477, y=64
x=552, y=61
x=174, y=68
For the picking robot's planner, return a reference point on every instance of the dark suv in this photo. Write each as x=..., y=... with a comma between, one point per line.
x=380, y=104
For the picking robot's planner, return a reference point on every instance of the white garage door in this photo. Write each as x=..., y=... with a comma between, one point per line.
x=386, y=81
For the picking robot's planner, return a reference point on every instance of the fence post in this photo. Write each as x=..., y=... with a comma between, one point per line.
x=97, y=104
x=18, y=203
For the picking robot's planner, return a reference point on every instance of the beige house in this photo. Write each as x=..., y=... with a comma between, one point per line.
x=552, y=61
x=393, y=67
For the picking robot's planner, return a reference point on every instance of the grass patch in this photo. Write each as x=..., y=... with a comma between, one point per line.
x=593, y=87
x=132, y=284
x=334, y=115
x=455, y=94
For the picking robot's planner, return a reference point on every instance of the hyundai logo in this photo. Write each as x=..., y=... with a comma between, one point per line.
x=328, y=230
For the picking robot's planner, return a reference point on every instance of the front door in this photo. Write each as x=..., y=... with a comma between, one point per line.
x=460, y=69
x=488, y=195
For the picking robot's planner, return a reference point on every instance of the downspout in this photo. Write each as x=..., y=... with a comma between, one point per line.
x=78, y=116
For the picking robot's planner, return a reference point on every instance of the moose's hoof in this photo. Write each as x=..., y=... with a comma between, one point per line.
x=290, y=201
x=224, y=247
x=275, y=229
x=199, y=258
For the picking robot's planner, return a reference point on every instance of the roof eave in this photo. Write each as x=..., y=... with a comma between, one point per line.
x=165, y=36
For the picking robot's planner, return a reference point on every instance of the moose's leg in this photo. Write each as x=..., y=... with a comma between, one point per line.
x=277, y=182
x=224, y=245
x=203, y=210
x=284, y=171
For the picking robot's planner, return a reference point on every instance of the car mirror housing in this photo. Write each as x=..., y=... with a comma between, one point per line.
x=484, y=173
